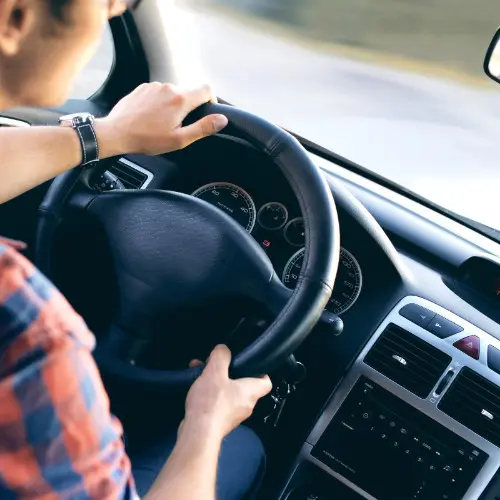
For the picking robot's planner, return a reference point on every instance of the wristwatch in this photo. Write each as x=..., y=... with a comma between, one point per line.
x=83, y=123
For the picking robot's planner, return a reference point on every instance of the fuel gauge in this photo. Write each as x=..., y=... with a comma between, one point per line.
x=272, y=216
x=295, y=232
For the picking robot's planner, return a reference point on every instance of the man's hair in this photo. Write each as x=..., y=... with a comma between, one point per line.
x=57, y=7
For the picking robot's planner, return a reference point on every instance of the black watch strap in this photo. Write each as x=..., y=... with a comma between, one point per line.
x=88, y=141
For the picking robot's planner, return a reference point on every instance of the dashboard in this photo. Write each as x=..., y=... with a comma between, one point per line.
x=424, y=399
x=441, y=390
x=399, y=400
x=282, y=237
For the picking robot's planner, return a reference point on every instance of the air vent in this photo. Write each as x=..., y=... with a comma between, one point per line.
x=474, y=401
x=132, y=176
x=408, y=360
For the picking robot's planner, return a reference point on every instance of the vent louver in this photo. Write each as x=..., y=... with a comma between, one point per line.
x=474, y=401
x=407, y=360
x=129, y=176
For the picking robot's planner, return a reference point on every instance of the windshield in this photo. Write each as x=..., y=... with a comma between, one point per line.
x=394, y=85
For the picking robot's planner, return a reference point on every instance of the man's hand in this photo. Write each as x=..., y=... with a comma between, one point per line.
x=218, y=404
x=149, y=120
x=215, y=406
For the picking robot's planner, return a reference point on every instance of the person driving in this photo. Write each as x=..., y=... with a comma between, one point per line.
x=58, y=438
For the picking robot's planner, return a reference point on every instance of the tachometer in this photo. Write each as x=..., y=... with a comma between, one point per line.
x=347, y=284
x=231, y=199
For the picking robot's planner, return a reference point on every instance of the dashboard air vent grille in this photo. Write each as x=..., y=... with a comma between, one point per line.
x=129, y=176
x=474, y=401
x=407, y=360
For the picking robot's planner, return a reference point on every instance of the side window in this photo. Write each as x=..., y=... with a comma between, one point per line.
x=97, y=71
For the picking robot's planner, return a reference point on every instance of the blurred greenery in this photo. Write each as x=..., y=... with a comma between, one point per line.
x=452, y=33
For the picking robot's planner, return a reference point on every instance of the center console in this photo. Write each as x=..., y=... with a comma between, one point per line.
x=417, y=416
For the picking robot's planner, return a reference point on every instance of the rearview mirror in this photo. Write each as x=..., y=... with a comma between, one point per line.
x=492, y=59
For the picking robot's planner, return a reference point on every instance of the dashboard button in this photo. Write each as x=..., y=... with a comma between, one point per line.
x=469, y=345
x=417, y=314
x=494, y=358
x=443, y=327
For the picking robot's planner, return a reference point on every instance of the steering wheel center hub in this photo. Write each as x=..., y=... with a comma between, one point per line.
x=172, y=250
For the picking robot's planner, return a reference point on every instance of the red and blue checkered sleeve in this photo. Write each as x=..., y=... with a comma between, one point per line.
x=57, y=436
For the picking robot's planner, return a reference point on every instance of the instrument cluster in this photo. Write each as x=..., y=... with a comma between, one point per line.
x=282, y=237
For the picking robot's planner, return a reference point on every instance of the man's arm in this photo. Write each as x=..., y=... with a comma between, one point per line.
x=215, y=406
x=191, y=470
x=31, y=156
x=58, y=437
x=147, y=121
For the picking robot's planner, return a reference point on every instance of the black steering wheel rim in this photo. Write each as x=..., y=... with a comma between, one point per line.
x=304, y=306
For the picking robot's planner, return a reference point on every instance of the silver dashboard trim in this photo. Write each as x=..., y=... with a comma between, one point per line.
x=12, y=122
x=427, y=406
x=149, y=175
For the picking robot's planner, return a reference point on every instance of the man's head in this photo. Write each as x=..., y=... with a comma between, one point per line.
x=45, y=43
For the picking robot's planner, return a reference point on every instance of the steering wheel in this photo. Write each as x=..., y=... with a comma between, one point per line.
x=171, y=250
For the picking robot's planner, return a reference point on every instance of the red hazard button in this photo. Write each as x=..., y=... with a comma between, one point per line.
x=470, y=345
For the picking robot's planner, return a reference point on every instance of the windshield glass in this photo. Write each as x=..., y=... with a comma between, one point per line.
x=394, y=85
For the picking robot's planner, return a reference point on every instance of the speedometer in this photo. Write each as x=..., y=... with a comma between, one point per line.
x=231, y=199
x=347, y=284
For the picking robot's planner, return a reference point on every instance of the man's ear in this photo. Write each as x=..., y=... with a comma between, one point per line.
x=17, y=18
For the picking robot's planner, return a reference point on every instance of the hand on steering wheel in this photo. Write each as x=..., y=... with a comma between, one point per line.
x=149, y=120
x=219, y=404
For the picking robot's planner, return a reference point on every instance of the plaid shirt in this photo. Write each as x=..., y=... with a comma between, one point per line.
x=57, y=436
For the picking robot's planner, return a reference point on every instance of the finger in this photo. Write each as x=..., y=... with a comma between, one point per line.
x=146, y=86
x=198, y=96
x=16, y=244
x=205, y=127
x=257, y=387
x=179, y=430
x=219, y=360
x=194, y=363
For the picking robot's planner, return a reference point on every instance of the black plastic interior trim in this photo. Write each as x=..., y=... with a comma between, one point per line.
x=489, y=53
x=348, y=202
x=130, y=68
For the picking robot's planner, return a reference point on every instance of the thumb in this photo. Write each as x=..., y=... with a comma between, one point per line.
x=205, y=127
x=17, y=245
x=219, y=360
x=257, y=387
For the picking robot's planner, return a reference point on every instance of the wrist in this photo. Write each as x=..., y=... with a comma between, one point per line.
x=111, y=141
x=203, y=428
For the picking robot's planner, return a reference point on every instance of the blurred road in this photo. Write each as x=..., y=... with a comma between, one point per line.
x=438, y=138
